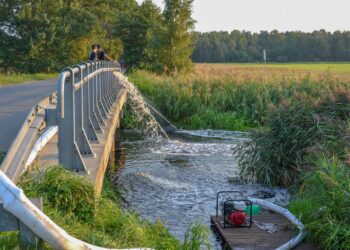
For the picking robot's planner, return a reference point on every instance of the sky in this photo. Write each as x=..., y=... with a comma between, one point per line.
x=283, y=15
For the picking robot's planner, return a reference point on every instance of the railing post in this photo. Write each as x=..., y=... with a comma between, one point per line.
x=98, y=119
x=80, y=133
x=88, y=124
x=68, y=151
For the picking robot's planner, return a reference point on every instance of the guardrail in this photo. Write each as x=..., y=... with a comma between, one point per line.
x=86, y=95
x=15, y=160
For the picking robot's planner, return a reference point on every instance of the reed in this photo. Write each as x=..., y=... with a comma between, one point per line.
x=220, y=97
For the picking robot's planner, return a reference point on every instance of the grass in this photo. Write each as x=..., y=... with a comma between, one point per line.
x=232, y=97
x=69, y=200
x=6, y=79
x=277, y=156
x=323, y=204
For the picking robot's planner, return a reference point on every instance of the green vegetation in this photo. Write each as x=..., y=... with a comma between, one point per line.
x=45, y=36
x=306, y=146
x=211, y=99
x=323, y=203
x=69, y=200
x=290, y=46
x=20, y=78
x=295, y=131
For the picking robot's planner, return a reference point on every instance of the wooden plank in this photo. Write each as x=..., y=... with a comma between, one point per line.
x=255, y=238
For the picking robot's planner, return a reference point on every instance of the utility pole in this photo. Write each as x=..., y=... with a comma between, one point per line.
x=265, y=59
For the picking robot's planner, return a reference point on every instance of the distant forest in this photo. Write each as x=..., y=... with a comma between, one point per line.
x=244, y=46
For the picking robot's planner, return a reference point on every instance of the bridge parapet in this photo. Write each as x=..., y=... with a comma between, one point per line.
x=87, y=94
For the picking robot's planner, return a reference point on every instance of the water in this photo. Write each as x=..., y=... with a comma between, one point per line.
x=176, y=180
x=142, y=113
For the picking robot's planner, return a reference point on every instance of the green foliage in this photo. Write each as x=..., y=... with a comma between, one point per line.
x=295, y=131
x=69, y=200
x=135, y=28
x=196, y=237
x=294, y=46
x=223, y=102
x=155, y=40
x=45, y=36
x=64, y=191
x=323, y=204
x=176, y=41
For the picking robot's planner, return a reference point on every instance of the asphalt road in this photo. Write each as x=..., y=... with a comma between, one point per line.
x=16, y=102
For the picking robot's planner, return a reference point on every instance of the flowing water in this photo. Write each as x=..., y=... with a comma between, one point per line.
x=176, y=178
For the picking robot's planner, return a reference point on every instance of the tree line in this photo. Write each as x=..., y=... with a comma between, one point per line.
x=45, y=35
x=294, y=46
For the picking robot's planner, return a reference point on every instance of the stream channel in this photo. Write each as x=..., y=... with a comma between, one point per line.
x=176, y=180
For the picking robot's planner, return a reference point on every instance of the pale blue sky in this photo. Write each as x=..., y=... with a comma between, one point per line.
x=283, y=15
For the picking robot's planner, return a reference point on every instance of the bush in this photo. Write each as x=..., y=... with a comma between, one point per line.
x=278, y=155
x=64, y=191
x=323, y=204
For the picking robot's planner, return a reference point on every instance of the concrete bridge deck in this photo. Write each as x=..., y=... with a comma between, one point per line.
x=15, y=102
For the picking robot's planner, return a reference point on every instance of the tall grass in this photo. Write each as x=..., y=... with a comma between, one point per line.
x=69, y=200
x=225, y=102
x=323, y=204
x=278, y=155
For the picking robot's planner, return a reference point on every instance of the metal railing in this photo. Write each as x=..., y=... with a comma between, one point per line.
x=86, y=95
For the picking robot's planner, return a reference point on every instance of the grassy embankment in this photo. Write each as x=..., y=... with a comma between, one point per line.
x=6, y=79
x=304, y=144
x=69, y=200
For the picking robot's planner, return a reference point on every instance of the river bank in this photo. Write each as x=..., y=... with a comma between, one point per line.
x=70, y=201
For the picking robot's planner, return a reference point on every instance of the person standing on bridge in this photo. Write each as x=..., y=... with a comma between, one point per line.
x=94, y=52
x=102, y=55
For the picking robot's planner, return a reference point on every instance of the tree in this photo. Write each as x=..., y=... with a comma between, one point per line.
x=135, y=28
x=176, y=40
x=47, y=35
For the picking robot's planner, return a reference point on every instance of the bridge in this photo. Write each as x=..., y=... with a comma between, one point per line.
x=70, y=121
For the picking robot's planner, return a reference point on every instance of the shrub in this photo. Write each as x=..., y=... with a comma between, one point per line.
x=278, y=155
x=64, y=191
x=323, y=204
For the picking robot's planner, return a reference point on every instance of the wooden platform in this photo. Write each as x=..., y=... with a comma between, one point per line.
x=255, y=238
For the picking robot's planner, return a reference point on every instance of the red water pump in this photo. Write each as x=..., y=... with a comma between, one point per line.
x=238, y=218
x=231, y=209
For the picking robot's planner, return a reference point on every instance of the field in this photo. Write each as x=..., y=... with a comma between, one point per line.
x=242, y=72
x=20, y=78
x=298, y=115
x=237, y=96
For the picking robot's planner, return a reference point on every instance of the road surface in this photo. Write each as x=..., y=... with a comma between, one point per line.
x=16, y=102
